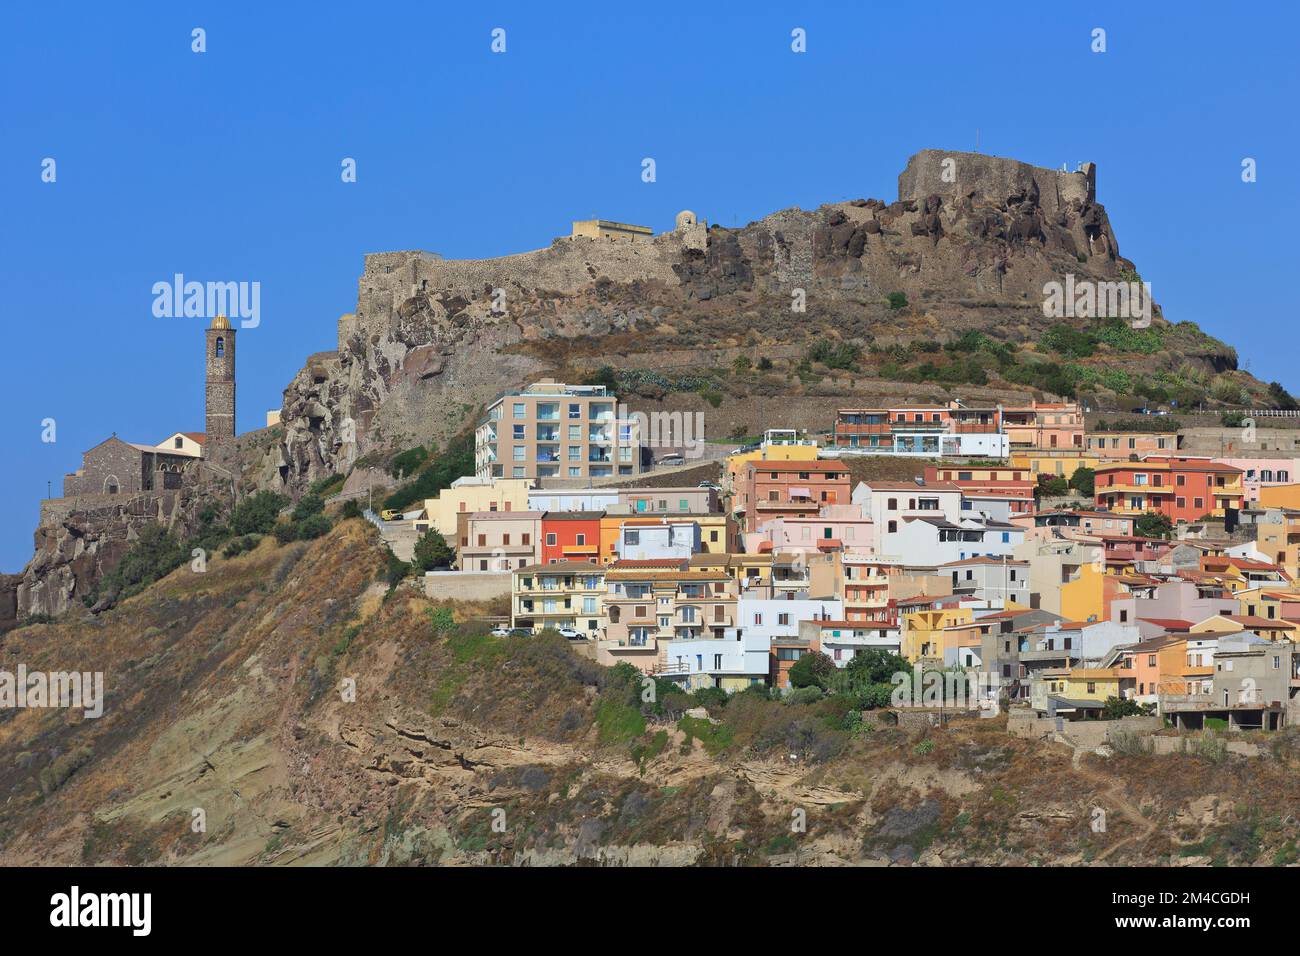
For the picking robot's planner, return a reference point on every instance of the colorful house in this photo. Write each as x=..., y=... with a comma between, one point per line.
x=1184, y=489
x=571, y=536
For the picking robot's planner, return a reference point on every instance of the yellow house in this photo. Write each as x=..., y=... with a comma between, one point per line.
x=1280, y=496
x=1062, y=462
x=1280, y=539
x=923, y=631
x=1085, y=598
x=469, y=495
x=1091, y=684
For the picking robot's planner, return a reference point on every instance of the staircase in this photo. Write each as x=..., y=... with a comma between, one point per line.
x=400, y=536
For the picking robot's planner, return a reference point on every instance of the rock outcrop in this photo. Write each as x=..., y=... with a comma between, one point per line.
x=971, y=237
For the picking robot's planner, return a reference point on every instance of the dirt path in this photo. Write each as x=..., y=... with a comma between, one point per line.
x=1113, y=791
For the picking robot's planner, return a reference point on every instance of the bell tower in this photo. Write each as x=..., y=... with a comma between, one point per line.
x=220, y=396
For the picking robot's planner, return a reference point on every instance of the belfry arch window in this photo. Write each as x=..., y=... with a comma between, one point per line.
x=221, y=346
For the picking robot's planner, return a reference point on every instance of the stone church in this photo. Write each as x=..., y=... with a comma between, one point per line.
x=115, y=467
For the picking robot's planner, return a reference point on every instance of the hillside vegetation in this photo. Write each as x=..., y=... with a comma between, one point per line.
x=305, y=713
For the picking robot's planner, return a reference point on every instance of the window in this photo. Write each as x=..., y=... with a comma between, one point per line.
x=525, y=539
x=519, y=409
x=631, y=537
x=892, y=504
x=893, y=527
x=783, y=620
x=180, y=442
x=575, y=410
x=221, y=346
x=550, y=538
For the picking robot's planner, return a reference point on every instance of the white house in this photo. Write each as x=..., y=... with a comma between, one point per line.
x=730, y=662
x=841, y=641
x=926, y=542
x=646, y=542
x=774, y=617
x=990, y=579
x=889, y=503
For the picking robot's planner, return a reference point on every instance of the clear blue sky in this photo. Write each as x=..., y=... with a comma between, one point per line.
x=225, y=165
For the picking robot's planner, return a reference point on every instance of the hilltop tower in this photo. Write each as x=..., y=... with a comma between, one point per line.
x=219, y=360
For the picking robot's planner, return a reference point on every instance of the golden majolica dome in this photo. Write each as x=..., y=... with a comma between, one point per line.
x=220, y=322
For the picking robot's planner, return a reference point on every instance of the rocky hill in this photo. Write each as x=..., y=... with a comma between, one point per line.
x=229, y=735
x=960, y=259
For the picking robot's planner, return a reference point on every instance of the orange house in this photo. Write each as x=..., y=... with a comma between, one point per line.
x=790, y=487
x=1183, y=489
x=570, y=536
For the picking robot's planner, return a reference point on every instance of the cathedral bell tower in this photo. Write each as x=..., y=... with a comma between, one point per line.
x=219, y=362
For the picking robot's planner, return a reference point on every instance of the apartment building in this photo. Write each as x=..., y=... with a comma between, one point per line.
x=771, y=489
x=648, y=603
x=1181, y=488
x=842, y=640
x=1043, y=425
x=565, y=594
x=557, y=431
x=890, y=503
x=1122, y=446
x=928, y=431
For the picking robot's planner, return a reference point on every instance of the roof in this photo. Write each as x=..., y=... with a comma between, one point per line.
x=912, y=486
x=1169, y=623
x=572, y=515
x=985, y=559
x=797, y=466
x=480, y=515
x=562, y=567
x=1254, y=623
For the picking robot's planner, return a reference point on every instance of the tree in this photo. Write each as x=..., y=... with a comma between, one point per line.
x=1084, y=480
x=1117, y=707
x=874, y=666
x=431, y=551
x=1153, y=525
x=812, y=670
x=256, y=514
x=307, y=506
x=1280, y=397
x=1052, y=486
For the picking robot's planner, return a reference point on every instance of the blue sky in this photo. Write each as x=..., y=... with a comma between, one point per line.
x=225, y=165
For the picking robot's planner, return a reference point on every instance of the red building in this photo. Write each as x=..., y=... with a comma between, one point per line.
x=570, y=536
x=1181, y=488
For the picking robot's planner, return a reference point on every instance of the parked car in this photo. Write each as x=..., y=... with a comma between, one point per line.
x=519, y=632
x=572, y=633
x=389, y=514
x=500, y=631
x=668, y=460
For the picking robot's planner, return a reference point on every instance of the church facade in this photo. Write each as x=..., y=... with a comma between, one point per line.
x=115, y=466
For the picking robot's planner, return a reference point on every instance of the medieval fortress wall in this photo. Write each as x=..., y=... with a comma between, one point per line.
x=568, y=264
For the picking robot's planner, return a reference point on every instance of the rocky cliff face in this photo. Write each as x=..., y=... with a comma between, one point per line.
x=80, y=539
x=970, y=240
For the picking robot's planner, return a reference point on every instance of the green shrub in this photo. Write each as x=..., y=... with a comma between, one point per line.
x=257, y=513
x=307, y=506
x=240, y=545
x=405, y=463
x=812, y=670
x=438, y=474
x=432, y=551
x=897, y=300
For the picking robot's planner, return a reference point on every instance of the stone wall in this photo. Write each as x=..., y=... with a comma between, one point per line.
x=466, y=585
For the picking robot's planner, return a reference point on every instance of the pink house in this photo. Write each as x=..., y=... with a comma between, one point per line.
x=1262, y=473
x=834, y=528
